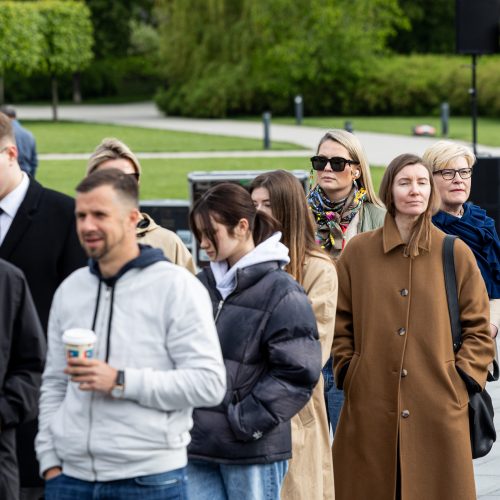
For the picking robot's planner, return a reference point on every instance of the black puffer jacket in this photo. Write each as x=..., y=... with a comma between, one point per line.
x=269, y=341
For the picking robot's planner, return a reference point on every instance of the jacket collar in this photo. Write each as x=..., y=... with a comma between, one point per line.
x=245, y=277
x=392, y=238
x=145, y=225
x=25, y=213
x=146, y=258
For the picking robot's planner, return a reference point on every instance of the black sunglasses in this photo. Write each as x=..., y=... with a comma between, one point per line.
x=337, y=163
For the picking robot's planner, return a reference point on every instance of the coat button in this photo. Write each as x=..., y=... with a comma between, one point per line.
x=404, y=372
x=401, y=331
x=403, y=292
x=405, y=413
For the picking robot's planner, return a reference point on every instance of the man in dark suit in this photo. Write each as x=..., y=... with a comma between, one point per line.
x=38, y=235
x=22, y=356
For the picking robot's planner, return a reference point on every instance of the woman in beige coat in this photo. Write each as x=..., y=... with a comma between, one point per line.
x=404, y=430
x=279, y=193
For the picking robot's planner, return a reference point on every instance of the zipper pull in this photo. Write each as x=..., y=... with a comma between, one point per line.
x=219, y=307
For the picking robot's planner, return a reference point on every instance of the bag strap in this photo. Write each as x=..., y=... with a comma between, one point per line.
x=450, y=282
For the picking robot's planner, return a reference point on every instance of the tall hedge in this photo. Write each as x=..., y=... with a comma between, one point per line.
x=417, y=84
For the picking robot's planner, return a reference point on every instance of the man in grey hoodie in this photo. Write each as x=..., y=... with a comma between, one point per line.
x=117, y=425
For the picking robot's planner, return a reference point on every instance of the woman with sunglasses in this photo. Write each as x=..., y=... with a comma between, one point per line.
x=451, y=164
x=344, y=204
x=281, y=195
x=269, y=340
x=404, y=429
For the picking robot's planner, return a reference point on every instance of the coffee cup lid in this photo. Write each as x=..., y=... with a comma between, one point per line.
x=79, y=336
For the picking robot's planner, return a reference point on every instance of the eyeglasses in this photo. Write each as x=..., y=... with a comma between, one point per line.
x=4, y=149
x=135, y=175
x=449, y=173
x=337, y=163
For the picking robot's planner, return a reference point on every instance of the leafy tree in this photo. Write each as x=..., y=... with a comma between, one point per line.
x=431, y=30
x=20, y=40
x=240, y=56
x=67, y=40
x=112, y=22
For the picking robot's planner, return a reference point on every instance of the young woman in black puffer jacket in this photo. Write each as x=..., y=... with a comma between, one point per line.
x=269, y=341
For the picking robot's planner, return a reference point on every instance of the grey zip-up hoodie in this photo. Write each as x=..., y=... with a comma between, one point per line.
x=153, y=320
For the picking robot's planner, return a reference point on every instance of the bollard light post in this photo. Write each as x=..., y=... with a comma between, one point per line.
x=266, y=119
x=445, y=119
x=348, y=127
x=299, y=109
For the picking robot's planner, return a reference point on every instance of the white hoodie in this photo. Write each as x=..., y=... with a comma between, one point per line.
x=269, y=250
x=163, y=336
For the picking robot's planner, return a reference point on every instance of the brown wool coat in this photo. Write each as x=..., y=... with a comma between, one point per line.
x=310, y=474
x=402, y=386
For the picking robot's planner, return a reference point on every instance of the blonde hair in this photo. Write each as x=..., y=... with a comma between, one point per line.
x=442, y=153
x=356, y=152
x=112, y=149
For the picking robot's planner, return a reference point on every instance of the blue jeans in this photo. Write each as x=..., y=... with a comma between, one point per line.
x=210, y=481
x=334, y=398
x=165, y=486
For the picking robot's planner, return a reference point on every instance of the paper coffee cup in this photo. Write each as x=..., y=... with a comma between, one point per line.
x=79, y=343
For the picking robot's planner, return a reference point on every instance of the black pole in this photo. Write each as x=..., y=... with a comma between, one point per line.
x=473, y=96
x=266, y=119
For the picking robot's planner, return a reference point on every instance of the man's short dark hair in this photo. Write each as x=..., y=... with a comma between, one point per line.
x=125, y=184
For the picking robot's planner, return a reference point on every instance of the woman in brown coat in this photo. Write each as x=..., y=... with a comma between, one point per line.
x=279, y=193
x=404, y=429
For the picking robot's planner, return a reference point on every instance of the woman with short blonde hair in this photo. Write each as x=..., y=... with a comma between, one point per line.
x=452, y=166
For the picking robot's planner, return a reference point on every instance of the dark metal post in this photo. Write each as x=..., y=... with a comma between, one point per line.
x=266, y=118
x=348, y=127
x=445, y=118
x=299, y=109
x=473, y=97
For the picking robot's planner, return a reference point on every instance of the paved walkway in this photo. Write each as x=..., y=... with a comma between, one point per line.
x=380, y=148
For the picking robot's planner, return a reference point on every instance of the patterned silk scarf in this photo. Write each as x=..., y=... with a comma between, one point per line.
x=333, y=218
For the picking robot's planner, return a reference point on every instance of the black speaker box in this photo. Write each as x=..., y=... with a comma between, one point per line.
x=171, y=214
x=199, y=182
x=477, y=26
x=485, y=189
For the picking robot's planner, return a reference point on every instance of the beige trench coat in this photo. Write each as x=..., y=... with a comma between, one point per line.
x=310, y=473
x=402, y=388
x=166, y=240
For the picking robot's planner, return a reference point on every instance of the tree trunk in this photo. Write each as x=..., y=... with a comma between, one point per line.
x=2, y=91
x=77, y=92
x=55, y=98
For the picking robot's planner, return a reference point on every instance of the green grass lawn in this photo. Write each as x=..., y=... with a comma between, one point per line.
x=167, y=178
x=78, y=137
x=460, y=127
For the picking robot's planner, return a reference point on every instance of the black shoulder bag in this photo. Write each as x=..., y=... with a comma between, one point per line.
x=481, y=425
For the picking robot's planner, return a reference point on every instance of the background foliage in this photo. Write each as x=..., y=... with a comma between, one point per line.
x=215, y=58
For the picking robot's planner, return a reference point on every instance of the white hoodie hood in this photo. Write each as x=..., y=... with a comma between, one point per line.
x=269, y=250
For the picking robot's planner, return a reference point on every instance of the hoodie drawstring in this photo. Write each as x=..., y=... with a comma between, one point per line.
x=108, y=340
x=96, y=310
